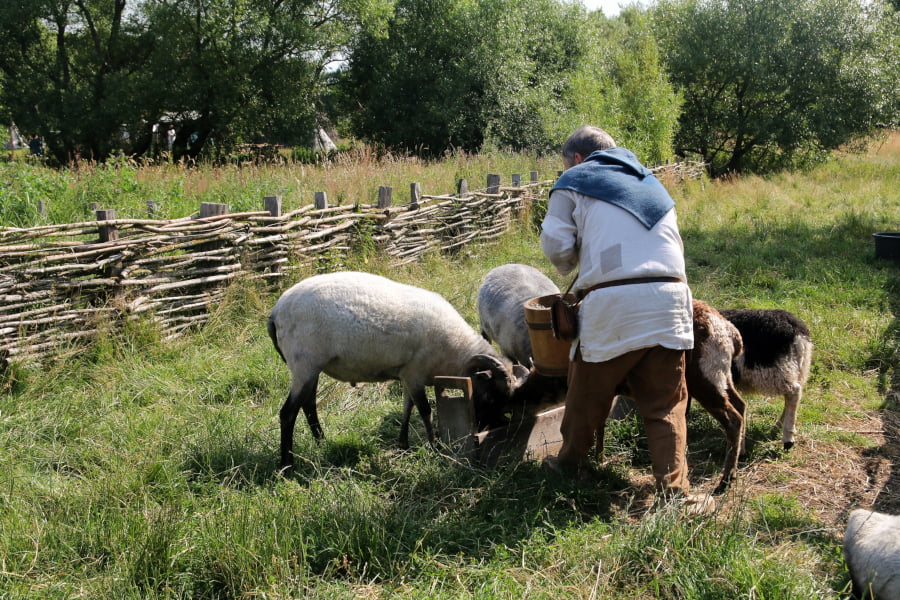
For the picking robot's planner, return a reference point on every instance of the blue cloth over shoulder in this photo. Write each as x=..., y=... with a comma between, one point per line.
x=616, y=176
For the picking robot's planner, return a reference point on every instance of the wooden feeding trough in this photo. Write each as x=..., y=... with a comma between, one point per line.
x=531, y=434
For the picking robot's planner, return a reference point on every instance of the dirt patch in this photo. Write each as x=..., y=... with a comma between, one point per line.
x=829, y=479
x=832, y=478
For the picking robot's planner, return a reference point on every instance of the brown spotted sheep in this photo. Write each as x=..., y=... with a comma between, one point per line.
x=717, y=344
x=776, y=359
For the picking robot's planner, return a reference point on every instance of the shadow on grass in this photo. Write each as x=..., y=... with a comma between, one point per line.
x=238, y=468
x=887, y=360
x=401, y=506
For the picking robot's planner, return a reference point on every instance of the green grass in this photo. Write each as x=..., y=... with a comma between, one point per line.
x=67, y=195
x=146, y=469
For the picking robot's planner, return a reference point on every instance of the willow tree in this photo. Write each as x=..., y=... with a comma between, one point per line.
x=518, y=74
x=770, y=84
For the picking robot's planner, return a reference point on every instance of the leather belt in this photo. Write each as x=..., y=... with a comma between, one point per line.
x=615, y=282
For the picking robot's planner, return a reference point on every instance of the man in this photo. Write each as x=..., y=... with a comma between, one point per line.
x=612, y=218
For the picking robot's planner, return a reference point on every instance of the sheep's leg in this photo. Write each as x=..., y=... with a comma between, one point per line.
x=404, y=424
x=424, y=408
x=740, y=405
x=304, y=398
x=728, y=409
x=418, y=398
x=788, y=418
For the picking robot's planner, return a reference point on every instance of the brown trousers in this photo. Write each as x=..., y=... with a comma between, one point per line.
x=655, y=377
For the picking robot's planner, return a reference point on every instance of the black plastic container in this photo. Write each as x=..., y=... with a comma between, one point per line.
x=887, y=245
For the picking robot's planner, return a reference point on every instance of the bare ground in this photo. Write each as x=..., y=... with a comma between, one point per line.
x=829, y=479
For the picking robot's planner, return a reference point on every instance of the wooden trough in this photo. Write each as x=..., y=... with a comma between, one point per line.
x=531, y=434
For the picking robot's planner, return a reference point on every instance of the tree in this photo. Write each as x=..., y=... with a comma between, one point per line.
x=539, y=47
x=66, y=66
x=621, y=86
x=250, y=70
x=404, y=87
x=86, y=72
x=770, y=84
x=518, y=74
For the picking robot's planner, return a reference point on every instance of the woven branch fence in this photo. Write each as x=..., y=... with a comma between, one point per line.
x=62, y=284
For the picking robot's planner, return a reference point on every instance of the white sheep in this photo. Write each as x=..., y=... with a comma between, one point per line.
x=503, y=292
x=872, y=552
x=776, y=359
x=362, y=327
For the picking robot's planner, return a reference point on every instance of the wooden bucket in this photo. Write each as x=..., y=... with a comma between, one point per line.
x=549, y=355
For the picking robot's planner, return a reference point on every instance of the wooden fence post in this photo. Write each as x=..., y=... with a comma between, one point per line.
x=534, y=177
x=385, y=196
x=516, y=184
x=108, y=233
x=42, y=208
x=415, y=194
x=493, y=183
x=462, y=188
x=272, y=205
x=151, y=209
x=212, y=209
x=321, y=200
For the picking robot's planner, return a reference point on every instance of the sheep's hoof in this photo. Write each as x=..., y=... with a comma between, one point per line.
x=788, y=445
x=721, y=488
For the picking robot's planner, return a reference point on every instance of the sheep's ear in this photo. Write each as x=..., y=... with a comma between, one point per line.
x=482, y=362
x=520, y=373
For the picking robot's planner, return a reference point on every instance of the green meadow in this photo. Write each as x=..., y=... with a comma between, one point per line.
x=147, y=469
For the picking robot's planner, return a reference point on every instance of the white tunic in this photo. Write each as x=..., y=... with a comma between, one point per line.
x=619, y=319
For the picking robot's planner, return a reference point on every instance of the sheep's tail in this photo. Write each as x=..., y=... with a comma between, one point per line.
x=270, y=325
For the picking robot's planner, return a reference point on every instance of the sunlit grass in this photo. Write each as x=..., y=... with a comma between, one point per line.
x=138, y=468
x=177, y=191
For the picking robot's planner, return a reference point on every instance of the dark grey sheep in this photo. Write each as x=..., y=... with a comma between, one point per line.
x=501, y=313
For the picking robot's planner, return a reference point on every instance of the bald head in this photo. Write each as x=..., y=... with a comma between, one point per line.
x=584, y=141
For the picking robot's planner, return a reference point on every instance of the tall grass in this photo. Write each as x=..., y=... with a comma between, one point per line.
x=147, y=469
x=176, y=191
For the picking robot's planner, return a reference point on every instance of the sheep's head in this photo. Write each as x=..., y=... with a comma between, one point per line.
x=493, y=384
x=540, y=389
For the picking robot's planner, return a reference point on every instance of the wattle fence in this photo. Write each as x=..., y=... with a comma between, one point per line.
x=61, y=285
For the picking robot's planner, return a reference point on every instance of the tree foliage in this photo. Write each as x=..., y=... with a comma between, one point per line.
x=507, y=73
x=770, y=84
x=447, y=71
x=83, y=72
x=66, y=66
x=620, y=85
